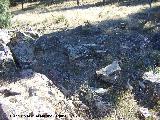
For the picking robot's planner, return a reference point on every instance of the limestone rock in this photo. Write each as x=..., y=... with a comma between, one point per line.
x=107, y=72
x=36, y=96
x=153, y=84
x=144, y=112
x=4, y=36
x=23, y=54
x=152, y=77
x=6, y=59
x=22, y=50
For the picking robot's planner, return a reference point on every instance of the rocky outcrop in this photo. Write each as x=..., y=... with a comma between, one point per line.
x=22, y=50
x=35, y=96
x=50, y=55
x=57, y=65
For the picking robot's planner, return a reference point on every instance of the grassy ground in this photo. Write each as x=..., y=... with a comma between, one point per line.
x=55, y=17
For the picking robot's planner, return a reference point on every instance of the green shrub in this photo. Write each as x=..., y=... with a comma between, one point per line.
x=5, y=15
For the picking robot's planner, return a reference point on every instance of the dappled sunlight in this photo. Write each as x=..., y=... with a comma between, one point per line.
x=75, y=17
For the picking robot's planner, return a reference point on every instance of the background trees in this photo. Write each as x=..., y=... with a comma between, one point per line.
x=4, y=13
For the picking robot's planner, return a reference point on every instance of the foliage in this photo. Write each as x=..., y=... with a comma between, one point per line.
x=5, y=15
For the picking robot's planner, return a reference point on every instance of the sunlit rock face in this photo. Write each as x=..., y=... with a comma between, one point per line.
x=109, y=73
x=4, y=36
x=6, y=59
x=35, y=95
x=153, y=82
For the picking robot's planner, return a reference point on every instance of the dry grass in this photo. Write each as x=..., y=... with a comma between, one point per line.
x=44, y=17
x=126, y=107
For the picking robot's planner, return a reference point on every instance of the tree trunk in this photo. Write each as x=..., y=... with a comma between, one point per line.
x=104, y=2
x=22, y=4
x=150, y=3
x=78, y=2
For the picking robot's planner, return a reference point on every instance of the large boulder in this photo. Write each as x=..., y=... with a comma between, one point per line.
x=35, y=95
x=49, y=53
x=22, y=50
x=51, y=58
